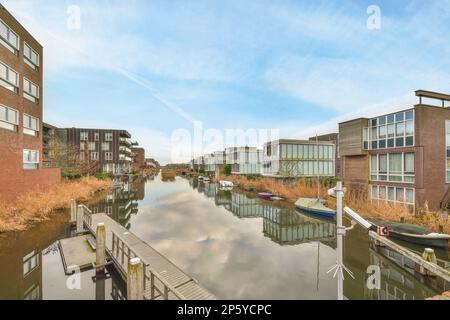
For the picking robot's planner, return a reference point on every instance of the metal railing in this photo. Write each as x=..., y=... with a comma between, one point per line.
x=122, y=253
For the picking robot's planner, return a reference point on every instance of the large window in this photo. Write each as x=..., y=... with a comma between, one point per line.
x=9, y=118
x=84, y=136
x=9, y=38
x=108, y=156
x=30, y=263
x=30, y=159
x=30, y=125
x=30, y=90
x=393, y=194
x=31, y=57
x=9, y=78
x=393, y=167
x=447, y=142
x=94, y=156
x=105, y=146
x=391, y=131
x=108, y=137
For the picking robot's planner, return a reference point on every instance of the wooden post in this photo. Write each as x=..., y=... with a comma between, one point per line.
x=100, y=261
x=73, y=211
x=80, y=219
x=430, y=256
x=135, y=280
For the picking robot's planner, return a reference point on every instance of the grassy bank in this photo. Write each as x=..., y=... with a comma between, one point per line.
x=292, y=191
x=39, y=206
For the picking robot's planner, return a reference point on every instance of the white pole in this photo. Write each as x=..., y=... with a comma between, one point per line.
x=340, y=240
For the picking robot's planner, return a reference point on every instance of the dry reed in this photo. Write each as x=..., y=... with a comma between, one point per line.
x=293, y=190
x=38, y=206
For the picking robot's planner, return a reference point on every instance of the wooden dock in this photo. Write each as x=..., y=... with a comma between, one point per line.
x=163, y=280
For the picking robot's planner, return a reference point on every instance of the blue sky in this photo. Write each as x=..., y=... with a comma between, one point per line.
x=298, y=66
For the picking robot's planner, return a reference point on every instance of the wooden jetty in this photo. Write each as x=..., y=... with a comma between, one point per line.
x=427, y=267
x=161, y=280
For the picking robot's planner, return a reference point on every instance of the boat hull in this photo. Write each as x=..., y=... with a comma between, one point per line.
x=316, y=212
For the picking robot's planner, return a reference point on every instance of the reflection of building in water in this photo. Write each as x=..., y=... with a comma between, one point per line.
x=243, y=207
x=223, y=198
x=210, y=190
x=399, y=281
x=201, y=187
x=193, y=182
x=21, y=269
x=286, y=227
x=122, y=204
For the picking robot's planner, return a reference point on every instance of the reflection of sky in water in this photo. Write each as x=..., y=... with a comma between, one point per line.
x=229, y=256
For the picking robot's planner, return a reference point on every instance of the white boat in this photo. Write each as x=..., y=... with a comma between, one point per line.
x=226, y=184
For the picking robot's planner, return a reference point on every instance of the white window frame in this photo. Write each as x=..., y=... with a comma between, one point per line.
x=95, y=156
x=109, y=156
x=375, y=172
x=26, y=127
x=14, y=87
x=109, y=137
x=395, y=194
x=92, y=146
x=105, y=146
x=84, y=136
x=36, y=163
x=6, y=42
x=28, y=60
x=27, y=94
x=6, y=124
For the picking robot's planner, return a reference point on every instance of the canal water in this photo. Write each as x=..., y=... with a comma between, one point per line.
x=235, y=245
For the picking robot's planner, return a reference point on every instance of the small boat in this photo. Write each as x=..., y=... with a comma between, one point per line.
x=413, y=234
x=226, y=184
x=276, y=199
x=200, y=178
x=117, y=185
x=206, y=179
x=265, y=195
x=314, y=207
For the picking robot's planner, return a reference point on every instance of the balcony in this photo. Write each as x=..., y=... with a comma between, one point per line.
x=126, y=151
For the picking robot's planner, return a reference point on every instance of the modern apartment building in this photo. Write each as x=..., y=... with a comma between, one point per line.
x=49, y=145
x=244, y=160
x=298, y=159
x=214, y=162
x=102, y=150
x=21, y=110
x=334, y=138
x=403, y=157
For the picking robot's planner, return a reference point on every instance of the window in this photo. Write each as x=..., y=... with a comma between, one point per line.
x=82, y=146
x=84, y=136
x=30, y=125
x=94, y=156
x=96, y=136
x=393, y=167
x=108, y=137
x=30, y=263
x=30, y=90
x=31, y=57
x=9, y=38
x=30, y=159
x=9, y=118
x=447, y=165
x=108, y=156
x=393, y=194
x=392, y=131
x=9, y=78
x=91, y=146
x=105, y=146
x=82, y=157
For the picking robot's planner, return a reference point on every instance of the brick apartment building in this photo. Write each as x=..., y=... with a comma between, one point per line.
x=21, y=111
x=102, y=150
x=403, y=157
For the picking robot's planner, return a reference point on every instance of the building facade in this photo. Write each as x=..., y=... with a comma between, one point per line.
x=214, y=162
x=334, y=138
x=21, y=111
x=101, y=150
x=299, y=159
x=403, y=157
x=244, y=160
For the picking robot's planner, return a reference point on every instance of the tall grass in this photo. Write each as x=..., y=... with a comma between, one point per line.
x=38, y=206
x=358, y=201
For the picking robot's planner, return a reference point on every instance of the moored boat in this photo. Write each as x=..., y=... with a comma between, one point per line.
x=314, y=207
x=265, y=195
x=413, y=234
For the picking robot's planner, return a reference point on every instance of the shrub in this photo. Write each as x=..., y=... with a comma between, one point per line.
x=103, y=176
x=227, y=169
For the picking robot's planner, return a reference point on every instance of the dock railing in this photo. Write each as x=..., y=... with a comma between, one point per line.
x=87, y=214
x=122, y=253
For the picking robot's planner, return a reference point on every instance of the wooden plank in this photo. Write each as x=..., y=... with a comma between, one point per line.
x=433, y=268
x=76, y=253
x=158, y=263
